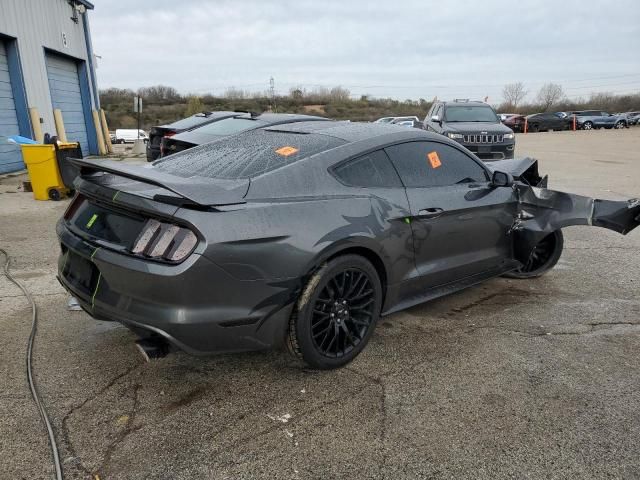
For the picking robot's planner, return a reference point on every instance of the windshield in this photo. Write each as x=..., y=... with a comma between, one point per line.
x=469, y=113
x=229, y=126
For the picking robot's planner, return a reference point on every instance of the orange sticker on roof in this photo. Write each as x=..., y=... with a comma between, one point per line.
x=434, y=159
x=286, y=151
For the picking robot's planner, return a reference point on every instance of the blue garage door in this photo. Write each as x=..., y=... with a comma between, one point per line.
x=65, y=95
x=10, y=154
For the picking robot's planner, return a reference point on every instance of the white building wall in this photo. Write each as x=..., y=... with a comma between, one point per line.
x=40, y=24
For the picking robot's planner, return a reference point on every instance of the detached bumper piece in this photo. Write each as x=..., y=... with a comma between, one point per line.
x=543, y=211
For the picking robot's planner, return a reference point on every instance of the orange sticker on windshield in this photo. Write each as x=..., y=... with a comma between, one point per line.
x=434, y=159
x=286, y=151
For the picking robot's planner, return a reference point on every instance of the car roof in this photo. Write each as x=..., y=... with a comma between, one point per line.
x=473, y=103
x=352, y=132
x=288, y=117
x=205, y=116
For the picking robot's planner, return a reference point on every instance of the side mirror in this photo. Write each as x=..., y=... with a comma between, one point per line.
x=501, y=179
x=435, y=118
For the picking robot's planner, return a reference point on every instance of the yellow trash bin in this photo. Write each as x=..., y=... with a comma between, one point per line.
x=44, y=174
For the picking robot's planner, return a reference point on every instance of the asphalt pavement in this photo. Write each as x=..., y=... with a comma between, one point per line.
x=534, y=379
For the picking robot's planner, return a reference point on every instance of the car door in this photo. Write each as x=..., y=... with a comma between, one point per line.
x=373, y=175
x=460, y=222
x=606, y=119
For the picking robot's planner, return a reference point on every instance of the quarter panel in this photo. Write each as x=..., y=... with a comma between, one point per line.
x=283, y=239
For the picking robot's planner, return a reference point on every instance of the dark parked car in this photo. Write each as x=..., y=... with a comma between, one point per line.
x=590, y=119
x=543, y=122
x=156, y=134
x=238, y=122
x=304, y=234
x=514, y=121
x=473, y=124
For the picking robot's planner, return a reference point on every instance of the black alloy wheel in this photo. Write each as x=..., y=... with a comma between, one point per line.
x=542, y=258
x=336, y=313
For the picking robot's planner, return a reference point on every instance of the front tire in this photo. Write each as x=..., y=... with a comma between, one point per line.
x=619, y=125
x=336, y=313
x=587, y=126
x=543, y=258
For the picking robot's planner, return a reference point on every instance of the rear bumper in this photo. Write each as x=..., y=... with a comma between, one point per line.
x=196, y=305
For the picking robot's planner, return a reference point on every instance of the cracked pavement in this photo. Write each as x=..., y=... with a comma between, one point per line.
x=509, y=379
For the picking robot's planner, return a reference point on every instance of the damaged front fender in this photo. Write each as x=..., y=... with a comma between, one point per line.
x=542, y=211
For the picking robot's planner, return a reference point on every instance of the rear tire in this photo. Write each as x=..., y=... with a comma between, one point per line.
x=587, y=126
x=618, y=125
x=543, y=258
x=336, y=313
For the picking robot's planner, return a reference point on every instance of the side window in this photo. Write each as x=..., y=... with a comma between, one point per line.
x=371, y=170
x=431, y=164
x=439, y=111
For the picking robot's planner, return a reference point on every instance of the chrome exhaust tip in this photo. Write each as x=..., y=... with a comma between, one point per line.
x=152, y=348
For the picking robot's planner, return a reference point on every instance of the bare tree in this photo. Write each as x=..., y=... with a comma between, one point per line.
x=550, y=94
x=159, y=93
x=339, y=94
x=513, y=94
x=194, y=105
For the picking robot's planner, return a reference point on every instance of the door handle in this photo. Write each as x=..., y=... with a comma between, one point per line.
x=430, y=212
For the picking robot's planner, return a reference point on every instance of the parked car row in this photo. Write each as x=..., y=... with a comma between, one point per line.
x=585, y=120
x=473, y=124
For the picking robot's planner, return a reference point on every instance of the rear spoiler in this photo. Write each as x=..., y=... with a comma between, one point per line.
x=202, y=191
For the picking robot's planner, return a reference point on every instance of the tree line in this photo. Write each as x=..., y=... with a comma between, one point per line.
x=164, y=104
x=551, y=98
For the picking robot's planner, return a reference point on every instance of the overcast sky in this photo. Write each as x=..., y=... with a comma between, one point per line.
x=393, y=48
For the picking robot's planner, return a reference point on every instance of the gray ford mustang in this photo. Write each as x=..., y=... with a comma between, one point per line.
x=305, y=234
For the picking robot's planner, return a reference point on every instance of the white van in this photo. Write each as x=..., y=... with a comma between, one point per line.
x=130, y=135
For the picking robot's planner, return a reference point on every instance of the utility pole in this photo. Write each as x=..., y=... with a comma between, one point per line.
x=272, y=90
x=137, y=108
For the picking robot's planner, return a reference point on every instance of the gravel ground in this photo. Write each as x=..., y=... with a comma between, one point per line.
x=511, y=379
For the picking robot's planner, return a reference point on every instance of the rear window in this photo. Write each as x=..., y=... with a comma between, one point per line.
x=229, y=126
x=249, y=155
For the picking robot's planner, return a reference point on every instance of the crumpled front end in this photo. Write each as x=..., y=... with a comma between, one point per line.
x=543, y=211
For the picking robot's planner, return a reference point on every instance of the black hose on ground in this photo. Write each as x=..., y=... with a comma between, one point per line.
x=32, y=386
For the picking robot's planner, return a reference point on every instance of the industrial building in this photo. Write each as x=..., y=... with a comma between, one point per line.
x=46, y=64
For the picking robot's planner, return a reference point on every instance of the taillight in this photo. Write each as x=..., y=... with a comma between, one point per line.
x=164, y=241
x=169, y=134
